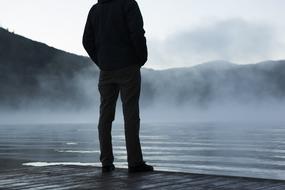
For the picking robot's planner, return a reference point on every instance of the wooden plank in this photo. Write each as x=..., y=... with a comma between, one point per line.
x=72, y=177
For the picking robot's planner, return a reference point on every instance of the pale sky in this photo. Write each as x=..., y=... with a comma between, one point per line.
x=180, y=33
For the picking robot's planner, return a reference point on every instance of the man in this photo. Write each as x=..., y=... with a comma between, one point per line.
x=114, y=39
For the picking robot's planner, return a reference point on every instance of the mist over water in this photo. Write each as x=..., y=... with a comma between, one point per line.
x=215, y=118
x=214, y=91
x=157, y=114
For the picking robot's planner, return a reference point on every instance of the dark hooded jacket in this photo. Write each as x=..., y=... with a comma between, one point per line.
x=114, y=34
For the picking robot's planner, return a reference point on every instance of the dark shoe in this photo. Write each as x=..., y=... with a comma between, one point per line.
x=109, y=168
x=141, y=168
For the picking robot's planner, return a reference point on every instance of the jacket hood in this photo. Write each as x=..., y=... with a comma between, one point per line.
x=103, y=1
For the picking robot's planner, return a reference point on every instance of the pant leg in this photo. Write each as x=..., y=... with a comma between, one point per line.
x=130, y=93
x=109, y=92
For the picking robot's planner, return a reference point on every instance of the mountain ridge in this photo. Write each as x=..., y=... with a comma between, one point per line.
x=35, y=74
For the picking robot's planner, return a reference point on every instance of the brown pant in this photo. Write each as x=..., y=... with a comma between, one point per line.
x=127, y=82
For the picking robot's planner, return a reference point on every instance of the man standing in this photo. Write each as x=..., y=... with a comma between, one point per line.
x=114, y=39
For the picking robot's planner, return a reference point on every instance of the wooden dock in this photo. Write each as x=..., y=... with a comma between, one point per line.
x=75, y=177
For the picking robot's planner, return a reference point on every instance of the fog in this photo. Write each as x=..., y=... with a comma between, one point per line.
x=233, y=39
x=43, y=84
x=216, y=91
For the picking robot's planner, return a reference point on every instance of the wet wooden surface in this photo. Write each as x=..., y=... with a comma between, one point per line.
x=74, y=177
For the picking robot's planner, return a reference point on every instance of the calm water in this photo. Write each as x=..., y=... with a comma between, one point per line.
x=239, y=149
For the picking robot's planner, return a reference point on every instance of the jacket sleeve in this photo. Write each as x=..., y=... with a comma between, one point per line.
x=89, y=38
x=136, y=29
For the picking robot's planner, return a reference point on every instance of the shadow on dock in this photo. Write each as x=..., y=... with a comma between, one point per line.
x=75, y=177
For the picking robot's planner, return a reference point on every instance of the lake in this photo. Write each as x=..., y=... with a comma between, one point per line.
x=224, y=148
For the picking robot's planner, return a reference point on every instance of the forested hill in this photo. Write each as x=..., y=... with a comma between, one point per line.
x=27, y=66
x=35, y=75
